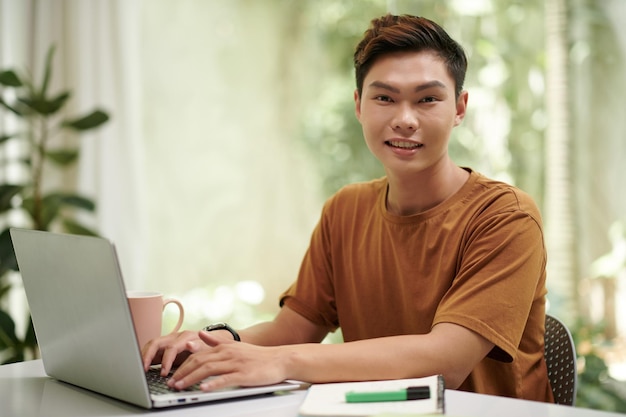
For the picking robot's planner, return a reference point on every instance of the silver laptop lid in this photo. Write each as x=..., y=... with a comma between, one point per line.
x=78, y=304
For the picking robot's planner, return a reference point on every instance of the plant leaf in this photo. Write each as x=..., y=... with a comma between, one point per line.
x=77, y=229
x=92, y=120
x=30, y=338
x=10, y=79
x=8, y=338
x=76, y=200
x=43, y=106
x=48, y=72
x=56, y=103
x=27, y=205
x=50, y=207
x=7, y=192
x=10, y=108
x=4, y=288
x=7, y=253
x=4, y=138
x=63, y=157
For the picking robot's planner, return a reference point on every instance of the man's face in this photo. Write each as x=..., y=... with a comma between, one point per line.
x=408, y=109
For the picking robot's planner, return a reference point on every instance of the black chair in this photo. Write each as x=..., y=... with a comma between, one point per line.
x=560, y=355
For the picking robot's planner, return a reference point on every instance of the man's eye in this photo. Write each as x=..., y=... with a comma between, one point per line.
x=383, y=98
x=428, y=99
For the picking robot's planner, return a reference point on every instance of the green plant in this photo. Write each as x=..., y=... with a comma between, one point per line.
x=596, y=388
x=39, y=119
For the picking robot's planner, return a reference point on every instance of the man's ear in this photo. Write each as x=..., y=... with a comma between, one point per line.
x=461, y=107
x=357, y=104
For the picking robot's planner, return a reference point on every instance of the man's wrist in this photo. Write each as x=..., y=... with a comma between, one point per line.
x=223, y=326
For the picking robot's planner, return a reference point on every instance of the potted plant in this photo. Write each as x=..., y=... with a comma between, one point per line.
x=39, y=119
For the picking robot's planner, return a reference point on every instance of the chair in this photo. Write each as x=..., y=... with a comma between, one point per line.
x=560, y=355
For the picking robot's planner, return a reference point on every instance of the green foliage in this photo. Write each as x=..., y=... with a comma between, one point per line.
x=505, y=59
x=596, y=388
x=38, y=113
x=10, y=342
x=331, y=130
x=502, y=134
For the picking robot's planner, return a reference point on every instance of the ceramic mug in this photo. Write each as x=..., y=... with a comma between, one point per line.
x=147, y=307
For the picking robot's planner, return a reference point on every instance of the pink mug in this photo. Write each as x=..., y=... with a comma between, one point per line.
x=147, y=307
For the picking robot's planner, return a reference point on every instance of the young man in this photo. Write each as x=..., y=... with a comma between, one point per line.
x=433, y=269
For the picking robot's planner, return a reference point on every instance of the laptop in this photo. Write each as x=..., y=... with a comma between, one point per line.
x=83, y=324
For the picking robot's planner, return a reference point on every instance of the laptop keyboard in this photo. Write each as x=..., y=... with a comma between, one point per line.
x=157, y=384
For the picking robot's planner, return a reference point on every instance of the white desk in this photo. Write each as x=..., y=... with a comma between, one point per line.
x=25, y=391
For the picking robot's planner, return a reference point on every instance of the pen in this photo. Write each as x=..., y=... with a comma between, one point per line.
x=410, y=393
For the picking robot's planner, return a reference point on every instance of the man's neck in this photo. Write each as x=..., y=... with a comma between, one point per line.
x=417, y=193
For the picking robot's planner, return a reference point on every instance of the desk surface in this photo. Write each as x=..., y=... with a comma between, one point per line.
x=26, y=391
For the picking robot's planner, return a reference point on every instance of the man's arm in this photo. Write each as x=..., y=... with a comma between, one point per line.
x=287, y=328
x=449, y=349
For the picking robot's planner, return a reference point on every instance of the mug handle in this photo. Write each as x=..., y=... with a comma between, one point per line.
x=181, y=311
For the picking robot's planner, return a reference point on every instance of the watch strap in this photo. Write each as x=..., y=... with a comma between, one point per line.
x=223, y=326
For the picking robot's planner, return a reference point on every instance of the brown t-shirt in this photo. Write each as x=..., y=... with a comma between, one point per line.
x=477, y=260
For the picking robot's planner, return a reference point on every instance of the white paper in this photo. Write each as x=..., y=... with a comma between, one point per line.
x=330, y=400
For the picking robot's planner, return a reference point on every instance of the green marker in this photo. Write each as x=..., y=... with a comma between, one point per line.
x=410, y=393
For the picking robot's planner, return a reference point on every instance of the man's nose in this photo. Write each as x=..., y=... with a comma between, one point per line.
x=405, y=118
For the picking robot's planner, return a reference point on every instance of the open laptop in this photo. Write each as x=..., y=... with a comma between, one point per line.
x=83, y=323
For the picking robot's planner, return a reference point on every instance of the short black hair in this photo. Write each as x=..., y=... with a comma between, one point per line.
x=390, y=33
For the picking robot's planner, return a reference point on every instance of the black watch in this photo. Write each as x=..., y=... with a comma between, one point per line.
x=223, y=326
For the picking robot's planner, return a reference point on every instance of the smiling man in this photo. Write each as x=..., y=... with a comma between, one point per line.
x=432, y=269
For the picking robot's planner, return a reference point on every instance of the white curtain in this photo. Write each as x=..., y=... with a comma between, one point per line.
x=197, y=177
x=232, y=196
x=96, y=57
x=103, y=55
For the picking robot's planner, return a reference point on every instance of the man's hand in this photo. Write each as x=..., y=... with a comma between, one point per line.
x=230, y=364
x=171, y=350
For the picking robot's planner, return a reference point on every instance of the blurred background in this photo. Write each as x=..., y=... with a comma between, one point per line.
x=231, y=121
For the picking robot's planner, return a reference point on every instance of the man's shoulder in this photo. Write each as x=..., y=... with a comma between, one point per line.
x=503, y=194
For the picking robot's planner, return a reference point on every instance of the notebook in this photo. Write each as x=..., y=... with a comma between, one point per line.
x=330, y=399
x=83, y=324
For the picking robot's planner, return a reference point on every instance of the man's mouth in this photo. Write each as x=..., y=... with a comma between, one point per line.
x=403, y=144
